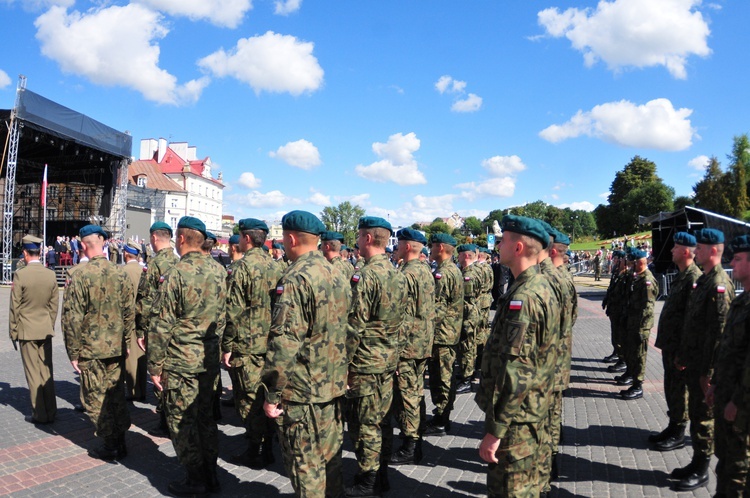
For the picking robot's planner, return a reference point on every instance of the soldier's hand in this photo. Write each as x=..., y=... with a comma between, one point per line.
x=75, y=366
x=156, y=379
x=730, y=412
x=141, y=343
x=488, y=448
x=272, y=410
x=225, y=360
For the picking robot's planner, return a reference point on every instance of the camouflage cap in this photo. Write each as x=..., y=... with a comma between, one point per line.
x=132, y=247
x=374, y=222
x=741, y=243
x=252, y=224
x=302, y=221
x=467, y=248
x=31, y=243
x=710, y=236
x=234, y=239
x=525, y=226
x=193, y=224
x=443, y=238
x=411, y=234
x=92, y=229
x=685, y=239
x=160, y=225
x=331, y=235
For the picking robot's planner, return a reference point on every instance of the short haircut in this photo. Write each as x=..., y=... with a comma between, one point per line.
x=416, y=247
x=333, y=245
x=193, y=238
x=560, y=248
x=162, y=234
x=306, y=238
x=207, y=244
x=531, y=245
x=380, y=236
x=257, y=237
x=33, y=252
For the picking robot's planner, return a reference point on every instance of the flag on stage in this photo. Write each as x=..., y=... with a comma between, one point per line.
x=44, y=187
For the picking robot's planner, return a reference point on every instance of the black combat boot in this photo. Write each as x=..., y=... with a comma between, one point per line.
x=249, y=458
x=613, y=358
x=624, y=380
x=212, y=480
x=107, y=451
x=437, y=426
x=162, y=430
x=266, y=451
x=122, y=449
x=698, y=477
x=635, y=392
x=407, y=454
x=676, y=439
x=193, y=485
x=365, y=486
x=658, y=438
x=463, y=386
x=620, y=366
x=683, y=472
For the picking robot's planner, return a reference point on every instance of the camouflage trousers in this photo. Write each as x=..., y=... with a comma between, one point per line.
x=636, y=349
x=103, y=396
x=516, y=473
x=548, y=452
x=246, y=375
x=408, y=404
x=311, y=437
x=370, y=398
x=442, y=388
x=618, y=334
x=701, y=418
x=467, y=352
x=675, y=390
x=187, y=402
x=733, y=452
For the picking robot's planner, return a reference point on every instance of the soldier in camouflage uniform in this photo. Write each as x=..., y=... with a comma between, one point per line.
x=331, y=247
x=473, y=287
x=306, y=365
x=97, y=319
x=419, y=323
x=644, y=290
x=374, y=342
x=277, y=254
x=485, y=304
x=449, y=306
x=613, y=305
x=624, y=288
x=183, y=355
x=704, y=324
x=727, y=393
x=669, y=335
x=518, y=365
x=249, y=300
x=164, y=259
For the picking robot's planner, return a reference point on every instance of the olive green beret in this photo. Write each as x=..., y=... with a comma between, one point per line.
x=710, y=236
x=443, y=238
x=411, y=234
x=526, y=226
x=92, y=229
x=685, y=239
x=374, y=222
x=193, y=224
x=160, y=225
x=253, y=224
x=234, y=239
x=467, y=248
x=331, y=235
x=740, y=243
x=302, y=221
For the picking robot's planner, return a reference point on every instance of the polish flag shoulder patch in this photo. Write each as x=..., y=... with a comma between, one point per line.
x=467, y=279
x=515, y=305
x=695, y=285
x=145, y=269
x=161, y=279
x=721, y=289
x=438, y=276
x=648, y=283
x=355, y=278
x=279, y=290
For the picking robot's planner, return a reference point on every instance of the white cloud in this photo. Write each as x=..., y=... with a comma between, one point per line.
x=604, y=195
x=503, y=165
x=319, y=199
x=575, y=206
x=654, y=125
x=637, y=33
x=257, y=199
x=114, y=46
x=270, y=62
x=286, y=7
x=301, y=154
x=398, y=164
x=425, y=208
x=555, y=197
x=699, y=163
x=356, y=200
x=249, y=180
x=225, y=13
x=4, y=79
x=493, y=187
x=471, y=103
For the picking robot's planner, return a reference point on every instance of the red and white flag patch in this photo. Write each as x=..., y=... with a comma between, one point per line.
x=467, y=279
x=355, y=278
x=279, y=290
x=438, y=276
x=695, y=285
x=161, y=279
x=721, y=289
x=648, y=283
x=515, y=305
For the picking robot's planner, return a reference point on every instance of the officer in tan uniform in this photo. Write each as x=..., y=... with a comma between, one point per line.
x=33, y=311
x=135, y=363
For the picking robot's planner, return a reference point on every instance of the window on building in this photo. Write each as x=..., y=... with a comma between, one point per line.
x=174, y=202
x=173, y=221
x=141, y=181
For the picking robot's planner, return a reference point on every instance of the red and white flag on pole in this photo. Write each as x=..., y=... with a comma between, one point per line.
x=44, y=187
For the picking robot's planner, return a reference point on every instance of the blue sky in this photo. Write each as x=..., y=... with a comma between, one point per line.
x=412, y=110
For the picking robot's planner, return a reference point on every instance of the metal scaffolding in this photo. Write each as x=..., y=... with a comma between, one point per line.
x=10, y=187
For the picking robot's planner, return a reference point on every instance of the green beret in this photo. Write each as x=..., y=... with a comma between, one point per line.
x=277, y=245
x=685, y=239
x=234, y=239
x=92, y=229
x=467, y=248
x=526, y=226
x=411, y=234
x=132, y=247
x=211, y=236
x=31, y=243
x=193, y=224
x=331, y=235
x=389, y=250
x=374, y=222
x=710, y=236
x=253, y=224
x=560, y=238
x=639, y=254
x=344, y=247
x=160, y=225
x=425, y=252
x=264, y=247
x=443, y=238
x=740, y=243
x=302, y=221
x=547, y=227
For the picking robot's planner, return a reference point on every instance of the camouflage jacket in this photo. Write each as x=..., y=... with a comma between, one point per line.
x=519, y=359
x=306, y=360
x=345, y=267
x=449, y=303
x=672, y=317
x=252, y=287
x=98, y=311
x=189, y=317
x=373, y=337
x=419, y=319
x=473, y=281
x=704, y=321
x=643, y=292
x=488, y=280
x=732, y=354
x=569, y=316
x=158, y=265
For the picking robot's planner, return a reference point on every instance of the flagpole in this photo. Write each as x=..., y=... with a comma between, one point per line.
x=44, y=215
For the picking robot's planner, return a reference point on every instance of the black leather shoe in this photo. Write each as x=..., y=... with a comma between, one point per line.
x=624, y=380
x=663, y=435
x=107, y=451
x=435, y=430
x=613, y=358
x=227, y=401
x=682, y=472
x=32, y=420
x=620, y=366
x=671, y=443
x=463, y=387
x=635, y=392
x=697, y=478
x=79, y=407
x=159, y=431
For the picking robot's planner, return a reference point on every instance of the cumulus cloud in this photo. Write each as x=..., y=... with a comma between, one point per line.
x=286, y=7
x=633, y=33
x=492, y=187
x=270, y=62
x=249, y=180
x=114, y=46
x=225, y=13
x=257, y=199
x=301, y=154
x=319, y=199
x=397, y=164
x=654, y=125
x=4, y=79
x=699, y=163
x=426, y=208
x=448, y=84
x=575, y=206
x=503, y=165
x=471, y=103
x=357, y=200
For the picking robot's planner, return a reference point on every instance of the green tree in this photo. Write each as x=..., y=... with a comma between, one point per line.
x=494, y=215
x=343, y=218
x=437, y=225
x=710, y=192
x=651, y=198
x=473, y=225
x=683, y=200
x=738, y=175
